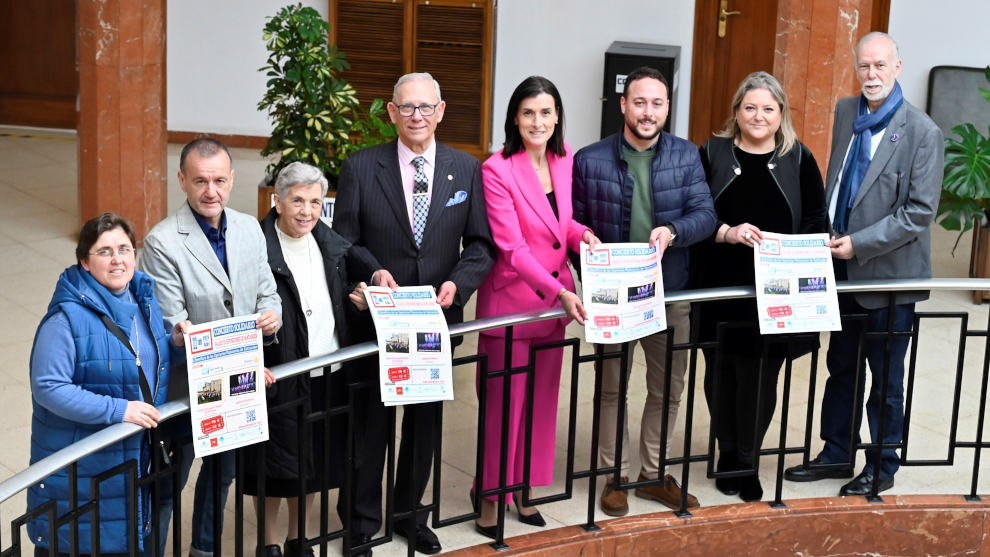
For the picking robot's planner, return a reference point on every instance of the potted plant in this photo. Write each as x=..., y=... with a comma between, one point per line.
x=966, y=191
x=316, y=114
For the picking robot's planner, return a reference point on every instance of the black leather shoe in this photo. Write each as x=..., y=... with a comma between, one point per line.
x=294, y=549
x=360, y=539
x=813, y=472
x=426, y=540
x=863, y=485
x=272, y=551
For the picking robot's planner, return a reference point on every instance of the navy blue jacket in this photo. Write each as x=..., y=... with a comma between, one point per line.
x=603, y=189
x=104, y=366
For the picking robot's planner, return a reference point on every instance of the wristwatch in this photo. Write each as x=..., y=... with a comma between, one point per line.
x=673, y=234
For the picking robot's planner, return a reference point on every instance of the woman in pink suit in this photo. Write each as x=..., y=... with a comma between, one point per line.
x=528, y=195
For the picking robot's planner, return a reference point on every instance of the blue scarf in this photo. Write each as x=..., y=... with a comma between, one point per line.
x=858, y=160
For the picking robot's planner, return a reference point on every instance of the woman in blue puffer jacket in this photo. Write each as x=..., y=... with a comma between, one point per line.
x=84, y=378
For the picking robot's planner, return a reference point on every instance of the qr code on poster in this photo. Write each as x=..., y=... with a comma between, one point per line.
x=251, y=416
x=435, y=374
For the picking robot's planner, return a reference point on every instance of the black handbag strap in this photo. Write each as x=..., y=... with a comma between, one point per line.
x=117, y=332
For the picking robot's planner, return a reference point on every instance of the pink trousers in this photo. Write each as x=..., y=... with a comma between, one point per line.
x=545, y=390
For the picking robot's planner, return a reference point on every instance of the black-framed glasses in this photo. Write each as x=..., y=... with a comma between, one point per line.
x=424, y=109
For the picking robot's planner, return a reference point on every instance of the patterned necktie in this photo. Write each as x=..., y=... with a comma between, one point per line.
x=421, y=202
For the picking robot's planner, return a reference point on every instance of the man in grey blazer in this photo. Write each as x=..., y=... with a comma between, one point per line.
x=209, y=262
x=883, y=186
x=414, y=212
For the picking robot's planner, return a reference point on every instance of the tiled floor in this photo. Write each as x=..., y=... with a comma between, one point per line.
x=38, y=226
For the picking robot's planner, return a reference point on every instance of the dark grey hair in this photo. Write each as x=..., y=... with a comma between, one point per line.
x=414, y=77
x=205, y=147
x=299, y=174
x=95, y=227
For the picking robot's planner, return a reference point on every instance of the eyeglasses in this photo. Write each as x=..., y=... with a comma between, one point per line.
x=424, y=109
x=315, y=204
x=122, y=251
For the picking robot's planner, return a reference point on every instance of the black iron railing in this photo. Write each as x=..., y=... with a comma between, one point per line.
x=579, y=365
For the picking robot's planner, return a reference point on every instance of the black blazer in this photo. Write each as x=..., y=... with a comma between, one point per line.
x=370, y=212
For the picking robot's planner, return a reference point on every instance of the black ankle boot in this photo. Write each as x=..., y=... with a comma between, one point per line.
x=750, y=488
x=727, y=463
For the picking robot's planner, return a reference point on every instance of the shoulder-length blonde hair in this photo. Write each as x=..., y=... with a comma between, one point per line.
x=785, y=137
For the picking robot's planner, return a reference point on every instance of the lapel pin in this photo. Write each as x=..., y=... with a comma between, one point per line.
x=737, y=170
x=450, y=176
x=894, y=137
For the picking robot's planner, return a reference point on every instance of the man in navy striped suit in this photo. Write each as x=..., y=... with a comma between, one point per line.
x=408, y=207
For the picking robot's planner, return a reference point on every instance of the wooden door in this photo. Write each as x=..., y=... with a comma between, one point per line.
x=720, y=63
x=451, y=39
x=38, y=77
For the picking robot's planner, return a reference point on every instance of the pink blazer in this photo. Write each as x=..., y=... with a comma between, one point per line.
x=531, y=263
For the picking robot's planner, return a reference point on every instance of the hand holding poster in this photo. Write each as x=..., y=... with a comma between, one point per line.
x=622, y=287
x=413, y=345
x=795, y=284
x=227, y=401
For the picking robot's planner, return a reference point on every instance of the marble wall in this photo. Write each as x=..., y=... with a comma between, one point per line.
x=814, y=61
x=122, y=132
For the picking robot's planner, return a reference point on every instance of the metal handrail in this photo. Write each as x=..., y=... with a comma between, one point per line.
x=118, y=432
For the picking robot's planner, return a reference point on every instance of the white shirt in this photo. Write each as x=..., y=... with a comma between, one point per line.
x=874, y=143
x=305, y=261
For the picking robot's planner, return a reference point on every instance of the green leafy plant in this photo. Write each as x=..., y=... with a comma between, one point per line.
x=966, y=184
x=316, y=114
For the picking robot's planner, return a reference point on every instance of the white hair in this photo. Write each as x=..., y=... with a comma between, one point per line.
x=414, y=77
x=299, y=174
x=874, y=35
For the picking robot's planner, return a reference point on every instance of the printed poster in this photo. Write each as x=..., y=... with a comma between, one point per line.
x=622, y=292
x=795, y=284
x=227, y=400
x=413, y=345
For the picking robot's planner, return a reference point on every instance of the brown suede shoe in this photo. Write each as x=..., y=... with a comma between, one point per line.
x=614, y=501
x=669, y=493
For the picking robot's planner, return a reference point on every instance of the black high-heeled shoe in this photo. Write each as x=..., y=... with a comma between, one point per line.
x=535, y=519
x=487, y=531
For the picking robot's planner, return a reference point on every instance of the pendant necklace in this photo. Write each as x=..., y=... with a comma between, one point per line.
x=309, y=278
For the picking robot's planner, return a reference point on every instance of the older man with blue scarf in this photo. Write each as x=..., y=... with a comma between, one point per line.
x=883, y=186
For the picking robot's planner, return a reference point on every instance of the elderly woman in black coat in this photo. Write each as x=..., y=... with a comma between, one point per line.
x=308, y=262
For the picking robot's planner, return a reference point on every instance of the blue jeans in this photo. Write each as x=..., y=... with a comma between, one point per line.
x=202, y=517
x=165, y=507
x=838, y=404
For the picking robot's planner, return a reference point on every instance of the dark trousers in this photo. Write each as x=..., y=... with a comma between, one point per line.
x=839, y=412
x=413, y=466
x=731, y=390
x=202, y=518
